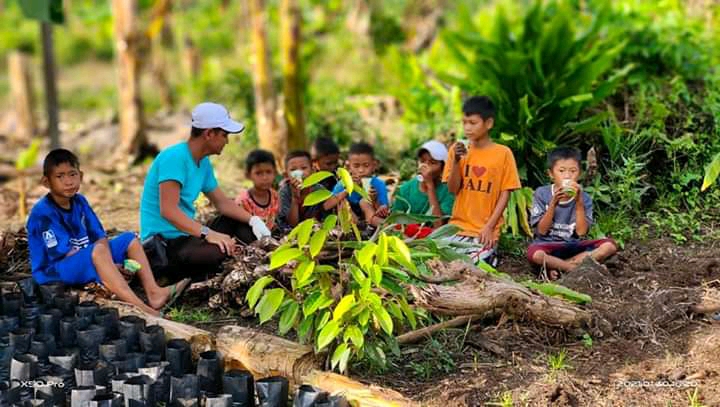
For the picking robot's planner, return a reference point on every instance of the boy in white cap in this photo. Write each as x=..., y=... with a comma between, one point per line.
x=426, y=194
x=175, y=179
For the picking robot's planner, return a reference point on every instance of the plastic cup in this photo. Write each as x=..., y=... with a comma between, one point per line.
x=297, y=174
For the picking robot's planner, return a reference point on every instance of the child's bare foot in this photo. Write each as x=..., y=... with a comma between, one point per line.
x=575, y=261
x=553, y=275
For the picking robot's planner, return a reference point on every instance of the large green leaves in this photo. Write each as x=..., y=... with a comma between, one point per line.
x=256, y=290
x=316, y=197
x=315, y=178
x=282, y=257
x=346, y=180
x=327, y=334
x=288, y=317
x=711, y=172
x=269, y=303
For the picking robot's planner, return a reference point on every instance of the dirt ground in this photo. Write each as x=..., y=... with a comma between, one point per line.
x=649, y=351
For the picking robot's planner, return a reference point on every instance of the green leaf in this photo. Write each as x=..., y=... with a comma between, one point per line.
x=315, y=178
x=327, y=334
x=401, y=218
x=395, y=311
x=346, y=180
x=303, y=273
x=376, y=274
x=557, y=290
x=28, y=157
x=409, y=314
x=357, y=274
x=711, y=173
x=343, y=306
x=384, y=319
x=444, y=231
x=254, y=292
x=312, y=303
x=317, y=242
x=269, y=304
x=338, y=354
x=281, y=258
x=364, y=317
x=324, y=318
x=324, y=268
x=355, y=335
x=381, y=255
x=315, y=197
x=365, y=255
x=288, y=317
x=400, y=248
x=305, y=328
x=401, y=261
x=341, y=356
x=304, y=230
x=329, y=223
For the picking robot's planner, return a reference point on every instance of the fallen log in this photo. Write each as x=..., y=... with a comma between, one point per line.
x=267, y=355
x=482, y=293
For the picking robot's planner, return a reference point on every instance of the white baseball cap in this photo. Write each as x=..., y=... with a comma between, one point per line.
x=211, y=115
x=436, y=149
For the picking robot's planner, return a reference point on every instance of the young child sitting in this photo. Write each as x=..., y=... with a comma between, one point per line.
x=426, y=194
x=261, y=200
x=326, y=157
x=68, y=243
x=561, y=215
x=298, y=166
x=481, y=175
x=361, y=164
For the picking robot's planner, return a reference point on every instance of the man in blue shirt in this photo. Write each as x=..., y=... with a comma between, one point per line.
x=68, y=244
x=176, y=178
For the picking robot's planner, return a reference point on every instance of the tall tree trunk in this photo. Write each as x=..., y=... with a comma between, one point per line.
x=270, y=134
x=51, y=98
x=290, y=24
x=127, y=42
x=161, y=40
x=21, y=90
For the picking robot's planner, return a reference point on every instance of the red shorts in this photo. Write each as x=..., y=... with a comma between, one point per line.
x=566, y=250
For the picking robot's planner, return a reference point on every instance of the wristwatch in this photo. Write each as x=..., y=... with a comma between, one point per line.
x=204, y=230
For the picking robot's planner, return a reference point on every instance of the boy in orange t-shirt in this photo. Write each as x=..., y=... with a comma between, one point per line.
x=481, y=174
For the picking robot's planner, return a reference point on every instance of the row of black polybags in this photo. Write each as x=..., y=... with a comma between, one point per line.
x=55, y=351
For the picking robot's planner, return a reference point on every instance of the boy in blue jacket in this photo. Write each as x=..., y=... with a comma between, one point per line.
x=68, y=244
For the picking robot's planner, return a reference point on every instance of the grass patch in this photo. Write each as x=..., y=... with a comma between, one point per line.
x=190, y=315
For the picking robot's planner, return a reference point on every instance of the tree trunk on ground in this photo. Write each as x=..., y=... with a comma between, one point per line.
x=266, y=355
x=270, y=133
x=127, y=42
x=190, y=59
x=21, y=91
x=51, y=98
x=480, y=293
x=290, y=23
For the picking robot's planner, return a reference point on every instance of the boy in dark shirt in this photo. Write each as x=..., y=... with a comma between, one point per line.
x=68, y=244
x=561, y=215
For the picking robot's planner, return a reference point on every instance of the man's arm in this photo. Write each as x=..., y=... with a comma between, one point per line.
x=170, y=209
x=227, y=207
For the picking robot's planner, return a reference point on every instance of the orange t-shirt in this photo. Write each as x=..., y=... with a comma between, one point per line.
x=267, y=213
x=486, y=172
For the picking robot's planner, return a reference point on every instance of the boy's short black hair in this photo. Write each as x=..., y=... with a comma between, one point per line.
x=258, y=157
x=324, y=146
x=361, y=148
x=57, y=157
x=563, y=153
x=297, y=154
x=480, y=105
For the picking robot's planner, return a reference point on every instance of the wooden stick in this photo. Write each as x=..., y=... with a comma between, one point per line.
x=422, y=333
